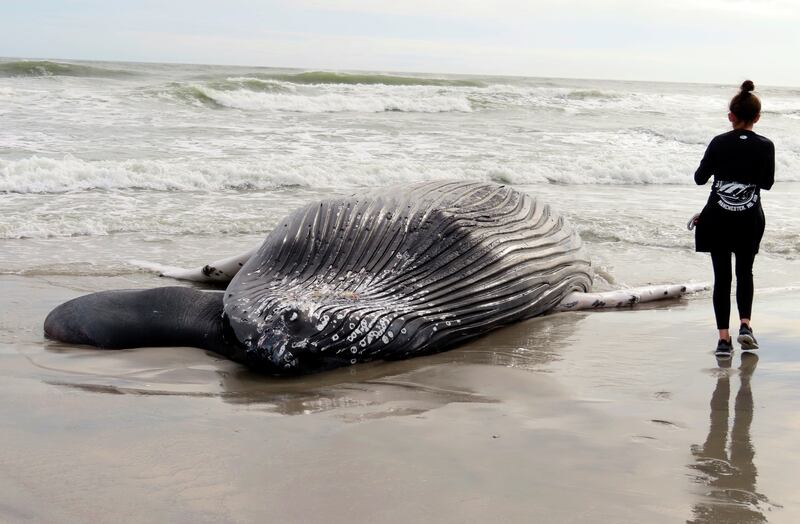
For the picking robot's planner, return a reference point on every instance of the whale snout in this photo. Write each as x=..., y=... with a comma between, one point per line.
x=276, y=354
x=279, y=345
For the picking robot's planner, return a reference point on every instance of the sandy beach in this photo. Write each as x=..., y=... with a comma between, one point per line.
x=621, y=416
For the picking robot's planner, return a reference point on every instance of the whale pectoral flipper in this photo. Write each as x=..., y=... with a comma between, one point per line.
x=626, y=297
x=222, y=270
x=166, y=316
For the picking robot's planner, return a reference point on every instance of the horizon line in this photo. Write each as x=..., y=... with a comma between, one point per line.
x=410, y=72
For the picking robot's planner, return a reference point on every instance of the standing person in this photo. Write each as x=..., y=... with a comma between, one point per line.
x=732, y=221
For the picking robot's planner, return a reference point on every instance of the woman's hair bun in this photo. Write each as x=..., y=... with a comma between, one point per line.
x=745, y=106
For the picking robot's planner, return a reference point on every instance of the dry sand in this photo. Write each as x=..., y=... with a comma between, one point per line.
x=620, y=416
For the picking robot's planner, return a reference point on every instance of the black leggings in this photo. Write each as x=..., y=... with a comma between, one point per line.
x=722, y=285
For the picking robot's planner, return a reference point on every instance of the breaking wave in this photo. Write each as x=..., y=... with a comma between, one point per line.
x=588, y=94
x=329, y=77
x=43, y=68
x=259, y=95
x=41, y=175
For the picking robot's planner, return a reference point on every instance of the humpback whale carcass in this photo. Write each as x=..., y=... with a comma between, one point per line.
x=389, y=274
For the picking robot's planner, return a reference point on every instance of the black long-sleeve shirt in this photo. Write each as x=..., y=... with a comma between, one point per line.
x=742, y=164
x=739, y=156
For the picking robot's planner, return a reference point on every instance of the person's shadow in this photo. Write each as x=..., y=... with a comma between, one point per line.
x=730, y=476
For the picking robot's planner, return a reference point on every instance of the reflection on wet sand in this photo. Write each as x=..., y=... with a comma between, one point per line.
x=729, y=472
x=382, y=389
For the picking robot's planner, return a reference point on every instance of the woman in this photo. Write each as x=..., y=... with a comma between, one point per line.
x=732, y=222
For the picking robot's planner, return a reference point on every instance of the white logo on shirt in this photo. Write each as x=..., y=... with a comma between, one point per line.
x=735, y=196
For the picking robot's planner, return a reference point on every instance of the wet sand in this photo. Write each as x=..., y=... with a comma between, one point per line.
x=620, y=416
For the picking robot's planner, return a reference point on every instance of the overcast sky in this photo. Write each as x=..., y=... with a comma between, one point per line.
x=721, y=41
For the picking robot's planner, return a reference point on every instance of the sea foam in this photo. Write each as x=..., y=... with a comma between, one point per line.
x=37, y=174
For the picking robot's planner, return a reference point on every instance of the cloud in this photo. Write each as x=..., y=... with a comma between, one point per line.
x=513, y=9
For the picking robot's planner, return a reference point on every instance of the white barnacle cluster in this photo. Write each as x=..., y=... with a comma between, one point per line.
x=323, y=322
x=370, y=328
x=381, y=329
x=288, y=358
x=406, y=258
x=300, y=344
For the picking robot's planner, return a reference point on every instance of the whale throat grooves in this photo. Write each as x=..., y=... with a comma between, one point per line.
x=400, y=272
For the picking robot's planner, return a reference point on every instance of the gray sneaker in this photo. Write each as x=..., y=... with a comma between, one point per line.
x=724, y=349
x=746, y=338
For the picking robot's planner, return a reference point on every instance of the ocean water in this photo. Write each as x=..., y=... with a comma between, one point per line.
x=104, y=163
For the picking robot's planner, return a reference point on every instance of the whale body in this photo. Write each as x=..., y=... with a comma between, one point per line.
x=389, y=274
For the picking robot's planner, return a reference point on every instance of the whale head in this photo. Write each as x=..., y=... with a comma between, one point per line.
x=277, y=341
x=290, y=333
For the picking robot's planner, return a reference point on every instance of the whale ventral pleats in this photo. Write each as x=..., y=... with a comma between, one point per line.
x=398, y=272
